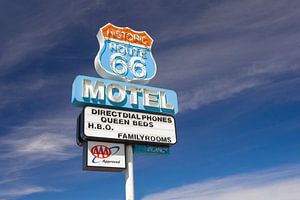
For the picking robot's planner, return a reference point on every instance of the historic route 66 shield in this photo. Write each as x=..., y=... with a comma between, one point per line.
x=125, y=55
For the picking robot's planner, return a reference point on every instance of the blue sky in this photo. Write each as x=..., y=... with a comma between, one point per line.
x=234, y=64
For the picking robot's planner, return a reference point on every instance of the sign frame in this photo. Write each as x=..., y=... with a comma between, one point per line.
x=79, y=99
x=79, y=140
x=84, y=137
x=108, y=34
x=86, y=167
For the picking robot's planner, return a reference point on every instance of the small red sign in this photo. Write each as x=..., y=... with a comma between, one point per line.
x=101, y=151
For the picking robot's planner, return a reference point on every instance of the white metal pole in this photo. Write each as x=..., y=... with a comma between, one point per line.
x=129, y=186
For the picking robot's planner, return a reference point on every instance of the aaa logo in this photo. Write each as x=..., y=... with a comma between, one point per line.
x=125, y=55
x=101, y=151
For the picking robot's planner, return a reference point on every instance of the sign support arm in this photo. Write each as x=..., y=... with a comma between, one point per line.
x=129, y=175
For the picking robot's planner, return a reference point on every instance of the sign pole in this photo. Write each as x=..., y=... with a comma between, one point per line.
x=129, y=185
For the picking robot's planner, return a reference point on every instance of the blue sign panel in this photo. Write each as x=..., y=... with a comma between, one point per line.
x=151, y=150
x=125, y=55
x=96, y=91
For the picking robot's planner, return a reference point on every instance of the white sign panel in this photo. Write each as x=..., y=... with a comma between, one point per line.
x=104, y=156
x=128, y=126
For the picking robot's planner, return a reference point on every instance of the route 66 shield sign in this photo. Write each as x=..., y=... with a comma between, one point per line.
x=125, y=55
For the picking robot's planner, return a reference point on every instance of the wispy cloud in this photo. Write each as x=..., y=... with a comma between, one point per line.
x=44, y=139
x=214, y=91
x=23, y=191
x=34, y=144
x=274, y=184
x=228, y=48
x=225, y=49
x=13, y=193
x=36, y=30
x=43, y=146
x=259, y=74
x=17, y=91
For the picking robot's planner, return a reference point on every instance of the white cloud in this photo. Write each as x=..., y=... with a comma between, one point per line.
x=34, y=144
x=38, y=30
x=18, y=191
x=41, y=139
x=275, y=184
x=22, y=191
x=228, y=48
x=45, y=146
x=240, y=45
x=215, y=91
x=24, y=89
